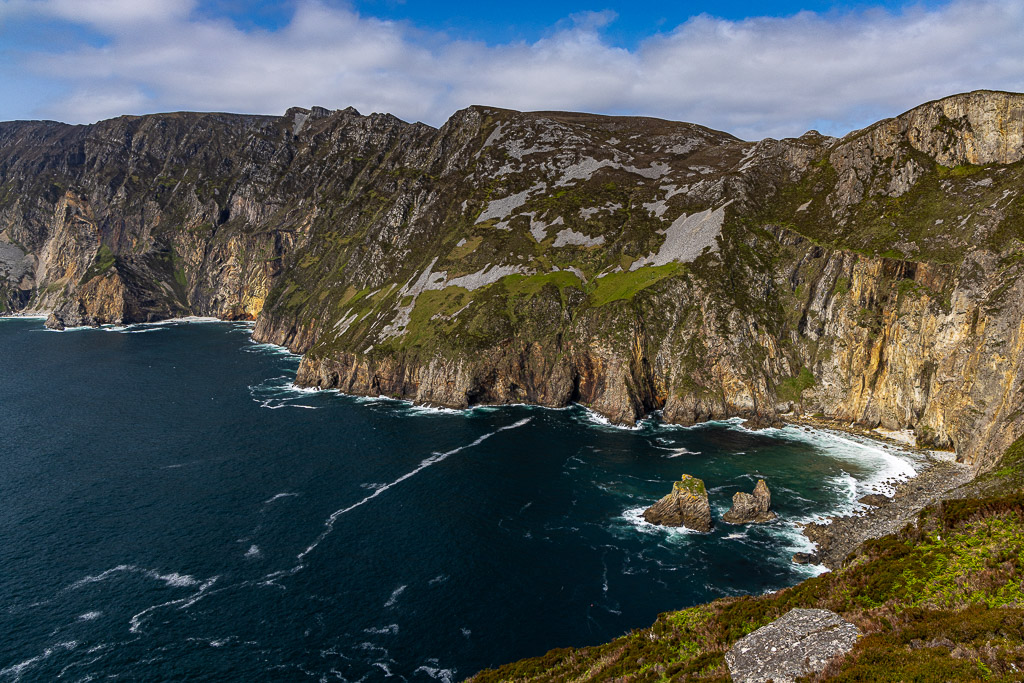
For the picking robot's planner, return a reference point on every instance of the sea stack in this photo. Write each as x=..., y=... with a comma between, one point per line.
x=686, y=506
x=748, y=509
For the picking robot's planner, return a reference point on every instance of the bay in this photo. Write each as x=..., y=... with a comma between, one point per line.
x=171, y=508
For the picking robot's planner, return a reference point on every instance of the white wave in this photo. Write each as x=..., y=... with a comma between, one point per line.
x=282, y=392
x=420, y=409
x=279, y=496
x=596, y=419
x=635, y=518
x=466, y=632
x=175, y=579
x=885, y=463
x=440, y=578
x=16, y=670
x=390, y=629
x=677, y=452
x=22, y=316
x=144, y=330
x=444, y=675
x=270, y=350
x=253, y=551
x=794, y=541
x=90, y=616
x=395, y=594
x=432, y=460
x=188, y=319
x=77, y=328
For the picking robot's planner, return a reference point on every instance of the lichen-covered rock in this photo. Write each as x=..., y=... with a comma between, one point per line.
x=799, y=643
x=751, y=508
x=686, y=506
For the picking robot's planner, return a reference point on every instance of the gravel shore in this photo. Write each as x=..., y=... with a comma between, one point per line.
x=836, y=540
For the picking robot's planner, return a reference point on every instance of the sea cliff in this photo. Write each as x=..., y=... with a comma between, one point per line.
x=625, y=263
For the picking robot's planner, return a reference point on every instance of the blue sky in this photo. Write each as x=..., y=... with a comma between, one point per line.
x=754, y=69
x=499, y=22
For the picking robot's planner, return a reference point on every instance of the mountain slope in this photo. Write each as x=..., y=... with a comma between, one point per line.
x=629, y=264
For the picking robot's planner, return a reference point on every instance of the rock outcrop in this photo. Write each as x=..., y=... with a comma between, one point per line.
x=800, y=643
x=686, y=506
x=625, y=263
x=751, y=508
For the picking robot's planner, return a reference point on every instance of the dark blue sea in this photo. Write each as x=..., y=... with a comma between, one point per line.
x=171, y=508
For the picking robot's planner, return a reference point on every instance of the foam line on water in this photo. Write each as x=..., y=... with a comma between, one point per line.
x=181, y=603
x=279, y=496
x=395, y=594
x=172, y=579
x=432, y=460
x=16, y=670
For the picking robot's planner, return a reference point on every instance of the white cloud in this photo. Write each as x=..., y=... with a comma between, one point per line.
x=756, y=77
x=104, y=14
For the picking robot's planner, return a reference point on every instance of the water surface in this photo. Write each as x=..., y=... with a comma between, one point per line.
x=172, y=508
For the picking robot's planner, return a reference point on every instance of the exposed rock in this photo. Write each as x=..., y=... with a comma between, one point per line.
x=686, y=506
x=874, y=499
x=751, y=508
x=836, y=540
x=319, y=224
x=763, y=421
x=800, y=643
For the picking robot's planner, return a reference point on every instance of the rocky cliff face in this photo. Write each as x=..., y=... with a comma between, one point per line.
x=628, y=264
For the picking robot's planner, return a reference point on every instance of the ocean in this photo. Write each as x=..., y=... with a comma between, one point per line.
x=172, y=508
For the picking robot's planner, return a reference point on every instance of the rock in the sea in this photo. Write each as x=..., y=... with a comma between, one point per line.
x=751, y=508
x=797, y=644
x=686, y=506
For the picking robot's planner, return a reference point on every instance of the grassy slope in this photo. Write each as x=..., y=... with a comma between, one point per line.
x=941, y=600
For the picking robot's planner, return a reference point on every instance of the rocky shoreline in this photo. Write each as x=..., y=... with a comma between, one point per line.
x=842, y=535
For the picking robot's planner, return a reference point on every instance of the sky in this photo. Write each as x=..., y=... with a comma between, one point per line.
x=754, y=69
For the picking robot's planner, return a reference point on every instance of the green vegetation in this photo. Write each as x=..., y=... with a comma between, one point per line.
x=962, y=171
x=934, y=214
x=941, y=600
x=792, y=388
x=103, y=262
x=626, y=285
x=691, y=485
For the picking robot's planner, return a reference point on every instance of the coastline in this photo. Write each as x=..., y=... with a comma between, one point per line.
x=839, y=536
x=835, y=537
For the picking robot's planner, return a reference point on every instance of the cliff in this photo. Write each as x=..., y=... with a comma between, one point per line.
x=629, y=264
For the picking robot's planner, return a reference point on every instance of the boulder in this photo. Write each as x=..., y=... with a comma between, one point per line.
x=751, y=508
x=686, y=506
x=759, y=421
x=797, y=644
x=876, y=499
